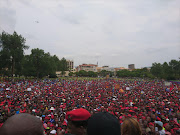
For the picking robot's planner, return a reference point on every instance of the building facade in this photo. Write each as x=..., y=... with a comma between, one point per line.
x=105, y=68
x=70, y=65
x=87, y=67
x=131, y=66
x=119, y=69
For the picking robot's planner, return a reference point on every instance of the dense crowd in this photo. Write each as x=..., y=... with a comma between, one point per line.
x=50, y=100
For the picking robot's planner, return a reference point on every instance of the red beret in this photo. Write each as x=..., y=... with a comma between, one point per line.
x=78, y=115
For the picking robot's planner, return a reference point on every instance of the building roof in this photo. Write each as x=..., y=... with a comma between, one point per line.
x=120, y=68
x=84, y=65
x=98, y=67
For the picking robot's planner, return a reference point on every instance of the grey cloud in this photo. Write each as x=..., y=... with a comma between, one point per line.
x=155, y=50
x=7, y=19
x=111, y=32
x=26, y=2
x=29, y=36
x=72, y=16
x=71, y=19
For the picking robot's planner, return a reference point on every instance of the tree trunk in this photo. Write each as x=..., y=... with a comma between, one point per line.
x=13, y=65
x=37, y=74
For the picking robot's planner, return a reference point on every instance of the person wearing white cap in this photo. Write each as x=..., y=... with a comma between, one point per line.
x=53, y=132
x=159, y=128
x=52, y=108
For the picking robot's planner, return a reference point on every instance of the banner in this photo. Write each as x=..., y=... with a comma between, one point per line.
x=7, y=88
x=117, y=86
x=121, y=91
x=28, y=89
x=167, y=83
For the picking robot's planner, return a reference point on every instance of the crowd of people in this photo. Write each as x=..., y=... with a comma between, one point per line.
x=148, y=104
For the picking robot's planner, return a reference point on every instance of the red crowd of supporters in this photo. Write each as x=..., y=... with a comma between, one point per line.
x=49, y=100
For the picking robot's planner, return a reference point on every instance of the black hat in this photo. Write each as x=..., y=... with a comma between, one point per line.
x=103, y=123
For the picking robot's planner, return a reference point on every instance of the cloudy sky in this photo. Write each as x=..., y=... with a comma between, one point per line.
x=110, y=32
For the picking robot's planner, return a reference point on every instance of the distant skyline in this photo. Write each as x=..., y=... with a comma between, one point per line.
x=111, y=32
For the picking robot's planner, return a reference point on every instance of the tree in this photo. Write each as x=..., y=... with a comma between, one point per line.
x=71, y=73
x=167, y=71
x=12, y=51
x=91, y=74
x=123, y=73
x=63, y=65
x=53, y=66
x=39, y=64
x=103, y=73
x=175, y=67
x=38, y=61
x=28, y=69
x=156, y=69
x=82, y=73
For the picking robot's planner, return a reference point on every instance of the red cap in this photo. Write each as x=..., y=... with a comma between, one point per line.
x=78, y=115
x=47, y=118
x=151, y=124
x=165, y=124
x=65, y=123
x=158, y=119
x=51, y=125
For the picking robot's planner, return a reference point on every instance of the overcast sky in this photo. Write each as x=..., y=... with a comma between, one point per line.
x=110, y=32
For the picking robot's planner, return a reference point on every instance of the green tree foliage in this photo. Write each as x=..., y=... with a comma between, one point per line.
x=92, y=74
x=169, y=71
x=71, y=74
x=135, y=73
x=103, y=73
x=166, y=71
x=84, y=73
x=175, y=68
x=38, y=61
x=28, y=67
x=157, y=69
x=123, y=73
x=63, y=66
x=39, y=64
x=12, y=52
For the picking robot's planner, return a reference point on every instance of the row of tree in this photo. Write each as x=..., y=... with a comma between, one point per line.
x=37, y=64
x=142, y=73
x=41, y=64
x=168, y=71
x=122, y=73
x=84, y=73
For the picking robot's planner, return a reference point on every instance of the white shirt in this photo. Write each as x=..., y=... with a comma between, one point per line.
x=162, y=132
